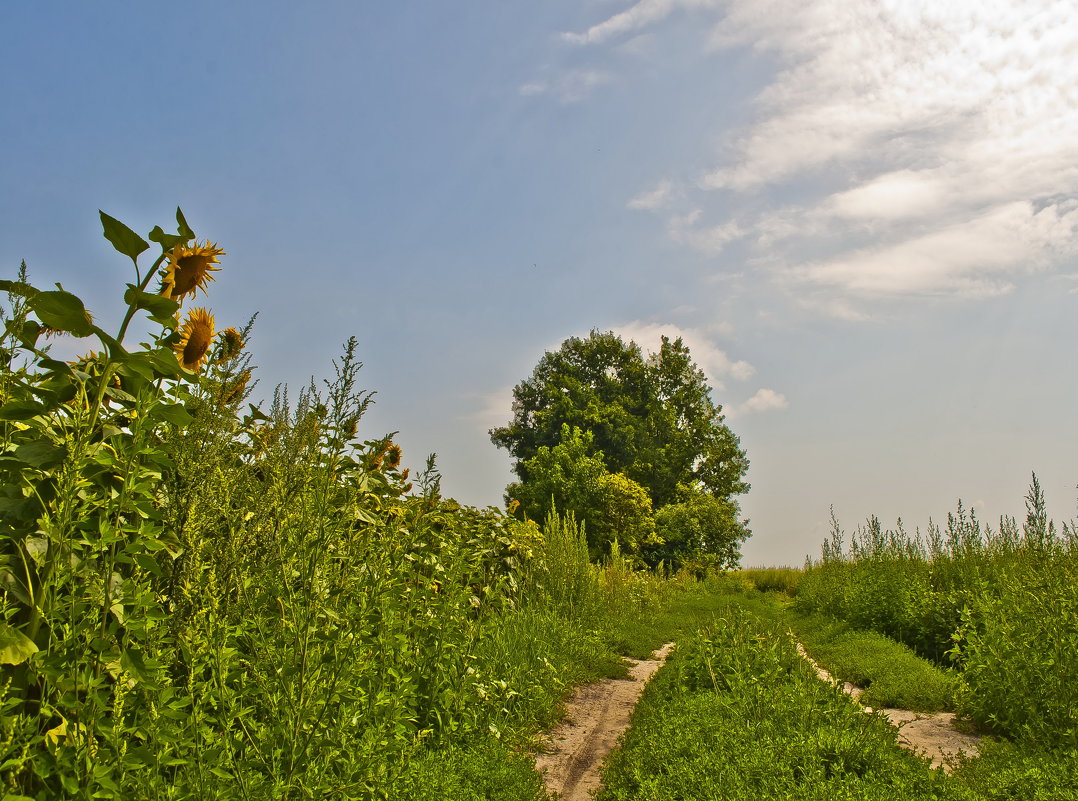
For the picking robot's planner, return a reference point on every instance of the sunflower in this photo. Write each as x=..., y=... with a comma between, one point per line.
x=393, y=456
x=230, y=345
x=189, y=268
x=196, y=334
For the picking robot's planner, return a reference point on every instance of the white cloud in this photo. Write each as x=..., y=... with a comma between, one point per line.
x=976, y=257
x=654, y=199
x=932, y=145
x=710, y=239
x=637, y=16
x=572, y=86
x=714, y=361
x=764, y=400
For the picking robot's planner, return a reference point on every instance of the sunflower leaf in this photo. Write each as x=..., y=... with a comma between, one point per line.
x=174, y=413
x=21, y=410
x=156, y=305
x=122, y=238
x=166, y=241
x=20, y=288
x=184, y=229
x=62, y=311
x=41, y=453
x=116, y=350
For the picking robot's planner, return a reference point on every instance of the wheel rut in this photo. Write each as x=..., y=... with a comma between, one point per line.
x=596, y=716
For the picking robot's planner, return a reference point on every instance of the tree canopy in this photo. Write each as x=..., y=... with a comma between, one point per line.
x=652, y=417
x=599, y=405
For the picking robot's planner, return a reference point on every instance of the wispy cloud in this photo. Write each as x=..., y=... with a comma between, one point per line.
x=931, y=145
x=764, y=400
x=654, y=199
x=572, y=86
x=638, y=16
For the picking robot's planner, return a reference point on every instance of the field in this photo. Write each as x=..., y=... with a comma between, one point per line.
x=209, y=599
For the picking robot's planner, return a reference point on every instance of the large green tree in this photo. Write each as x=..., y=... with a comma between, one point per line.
x=649, y=417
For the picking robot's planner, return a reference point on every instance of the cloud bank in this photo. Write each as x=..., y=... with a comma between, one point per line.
x=933, y=147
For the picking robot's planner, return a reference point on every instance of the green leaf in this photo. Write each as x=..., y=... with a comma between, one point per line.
x=62, y=311
x=134, y=663
x=166, y=241
x=31, y=330
x=174, y=413
x=15, y=647
x=21, y=410
x=184, y=228
x=157, y=305
x=122, y=238
x=148, y=563
x=116, y=350
x=37, y=547
x=164, y=361
x=20, y=288
x=40, y=453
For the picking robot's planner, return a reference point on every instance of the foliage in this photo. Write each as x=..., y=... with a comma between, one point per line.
x=1000, y=606
x=564, y=476
x=736, y=714
x=698, y=528
x=206, y=600
x=651, y=418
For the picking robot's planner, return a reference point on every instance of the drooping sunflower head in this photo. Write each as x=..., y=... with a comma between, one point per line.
x=196, y=336
x=393, y=456
x=230, y=345
x=189, y=268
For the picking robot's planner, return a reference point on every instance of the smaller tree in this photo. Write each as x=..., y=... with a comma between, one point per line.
x=624, y=514
x=698, y=527
x=563, y=477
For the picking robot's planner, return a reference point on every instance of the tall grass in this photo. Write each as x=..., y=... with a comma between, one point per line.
x=1001, y=605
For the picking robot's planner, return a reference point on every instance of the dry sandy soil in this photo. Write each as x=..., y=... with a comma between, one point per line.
x=596, y=716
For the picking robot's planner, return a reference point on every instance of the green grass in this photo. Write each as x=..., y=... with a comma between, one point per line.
x=736, y=714
x=890, y=673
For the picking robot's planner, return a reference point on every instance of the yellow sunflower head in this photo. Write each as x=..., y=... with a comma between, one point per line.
x=196, y=336
x=189, y=268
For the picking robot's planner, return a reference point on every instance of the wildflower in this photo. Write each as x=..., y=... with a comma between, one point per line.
x=189, y=268
x=196, y=334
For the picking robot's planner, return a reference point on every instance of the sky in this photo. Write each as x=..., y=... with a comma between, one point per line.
x=861, y=216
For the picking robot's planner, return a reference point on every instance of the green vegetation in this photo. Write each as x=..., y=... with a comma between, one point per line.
x=203, y=599
x=612, y=436
x=208, y=599
x=890, y=673
x=737, y=714
x=1000, y=606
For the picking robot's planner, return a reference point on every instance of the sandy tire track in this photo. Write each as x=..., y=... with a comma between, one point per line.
x=596, y=716
x=932, y=735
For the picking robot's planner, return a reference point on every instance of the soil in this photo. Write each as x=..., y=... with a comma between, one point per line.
x=597, y=714
x=933, y=735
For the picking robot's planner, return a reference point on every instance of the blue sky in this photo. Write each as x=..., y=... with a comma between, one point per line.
x=861, y=216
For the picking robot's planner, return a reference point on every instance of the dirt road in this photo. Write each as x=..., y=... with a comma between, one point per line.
x=596, y=716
